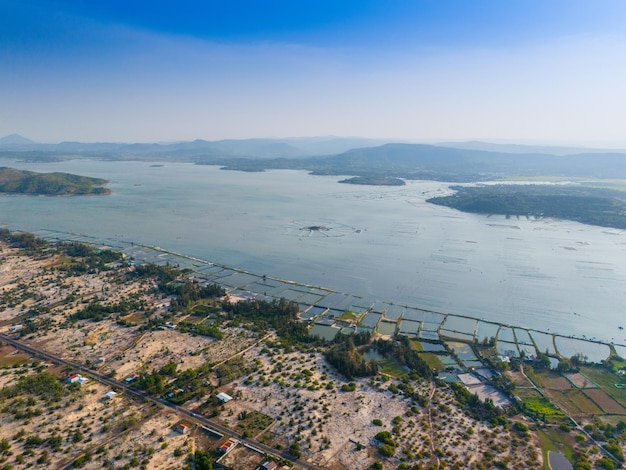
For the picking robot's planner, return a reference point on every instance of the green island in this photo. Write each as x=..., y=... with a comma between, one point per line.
x=588, y=205
x=53, y=184
x=374, y=181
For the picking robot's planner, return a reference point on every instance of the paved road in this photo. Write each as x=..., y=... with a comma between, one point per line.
x=140, y=393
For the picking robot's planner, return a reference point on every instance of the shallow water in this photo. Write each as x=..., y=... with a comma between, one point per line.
x=379, y=243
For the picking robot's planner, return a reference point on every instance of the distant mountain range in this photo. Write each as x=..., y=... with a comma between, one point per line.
x=372, y=159
x=245, y=148
x=519, y=148
x=15, y=140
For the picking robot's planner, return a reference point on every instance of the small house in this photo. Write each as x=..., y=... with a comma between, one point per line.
x=72, y=378
x=224, y=397
x=110, y=395
x=227, y=446
x=268, y=465
x=183, y=428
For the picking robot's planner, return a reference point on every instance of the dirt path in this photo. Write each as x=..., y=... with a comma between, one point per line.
x=244, y=350
x=431, y=430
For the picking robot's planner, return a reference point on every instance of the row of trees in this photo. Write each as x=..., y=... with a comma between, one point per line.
x=43, y=385
x=480, y=410
x=347, y=359
x=24, y=240
x=280, y=315
x=86, y=259
x=401, y=350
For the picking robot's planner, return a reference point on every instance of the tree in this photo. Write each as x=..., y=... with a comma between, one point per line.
x=563, y=366
x=202, y=460
x=294, y=449
x=5, y=446
x=386, y=450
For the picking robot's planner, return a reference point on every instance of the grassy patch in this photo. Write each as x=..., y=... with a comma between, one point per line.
x=606, y=380
x=548, y=379
x=575, y=402
x=135, y=318
x=391, y=368
x=527, y=393
x=433, y=361
x=542, y=408
x=553, y=440
x=416, y=345
x=350, y=316
x=203, y=310
x=253, y=422
x=12, y=360
x=195, y=319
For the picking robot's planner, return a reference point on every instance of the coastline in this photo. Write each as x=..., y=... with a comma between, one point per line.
x=247, y=288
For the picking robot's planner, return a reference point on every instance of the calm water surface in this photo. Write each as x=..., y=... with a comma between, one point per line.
x=383, y=243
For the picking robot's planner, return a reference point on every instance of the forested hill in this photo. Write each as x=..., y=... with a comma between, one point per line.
x=593, y=206
x=58, y=184
x=341, y=156
x=416, y=161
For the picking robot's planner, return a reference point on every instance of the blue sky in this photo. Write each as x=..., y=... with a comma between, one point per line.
x=531, y=71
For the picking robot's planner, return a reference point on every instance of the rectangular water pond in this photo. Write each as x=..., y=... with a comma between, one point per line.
x=544, y=342
x=272, y=282
x=310, y=299
x=486, y=331
x=316, y=310
x=529, y=351
x=307, y=314
x=394, y=312
x=380, y=307
x=386, y=328
x=431, y=335
x=459, y=324
x=594, y=352
x=337, y=301
x=523, y=337
x=408, y=327
x=506, y=334
x=324, y=332
x=423, y=315
x=507, y=349
x=621, y=351
x=463, y=351
x=433, y=347
x=455, y=335
x=370, y=320
x=258, y=288
x=448, y=360
x=430, y=326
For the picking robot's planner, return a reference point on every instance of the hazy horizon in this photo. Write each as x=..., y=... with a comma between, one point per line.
x=375, y=141
x=532, y=72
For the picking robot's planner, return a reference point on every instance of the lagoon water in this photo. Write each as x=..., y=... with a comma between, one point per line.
x=382, y=243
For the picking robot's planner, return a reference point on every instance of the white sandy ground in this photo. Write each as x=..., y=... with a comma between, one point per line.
x=344, y=418
x=325, y=421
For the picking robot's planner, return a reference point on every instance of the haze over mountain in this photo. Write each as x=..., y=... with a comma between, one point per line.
x=14, y=140
x=336, y=156
x=257, y=148
x=525, y=148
